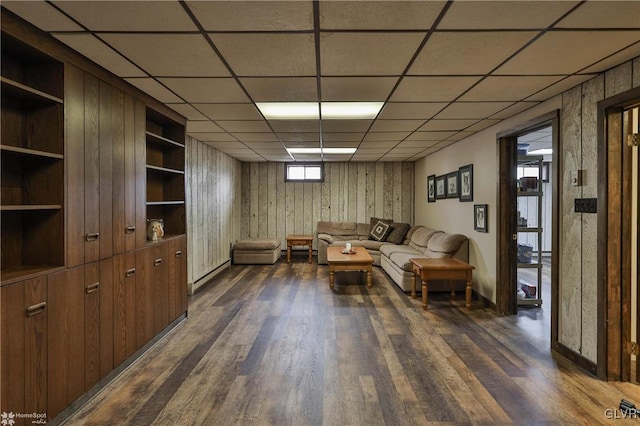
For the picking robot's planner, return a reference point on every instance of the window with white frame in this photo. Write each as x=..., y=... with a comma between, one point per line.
x=303, y=172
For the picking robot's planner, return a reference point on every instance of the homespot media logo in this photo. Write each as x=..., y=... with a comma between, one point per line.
x=9, y=419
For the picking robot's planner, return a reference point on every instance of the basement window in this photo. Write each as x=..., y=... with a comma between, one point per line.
x=311, y=172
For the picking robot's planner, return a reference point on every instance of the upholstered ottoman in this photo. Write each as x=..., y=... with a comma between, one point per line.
x=263, y=251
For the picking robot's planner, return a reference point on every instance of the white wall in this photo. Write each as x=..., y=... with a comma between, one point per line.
x=481, y=150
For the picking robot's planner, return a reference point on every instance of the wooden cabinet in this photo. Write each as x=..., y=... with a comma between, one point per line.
x=165, y=172
x=177, y=277
x=32, y=155
x=24, y=313
x=105, y=141
x=125, y=276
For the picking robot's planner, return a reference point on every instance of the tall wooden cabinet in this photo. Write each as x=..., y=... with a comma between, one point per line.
x=86, y=160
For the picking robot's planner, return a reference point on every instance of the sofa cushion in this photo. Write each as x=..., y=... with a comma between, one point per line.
x=413, y=229
x=389, y=249
x=401, y=260
x=337, y=228
x=420, y=238
x=350, y=237
x=379, y=231
x=398, y=232
x=325, y=237
x=444, y=245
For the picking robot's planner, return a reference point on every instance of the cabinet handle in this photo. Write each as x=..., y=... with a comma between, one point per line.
x=178, y=253
x=130, y=229
x=92, y=237
x=131, y=272
x=36, y=309
x=157, y=262
x=93, y=287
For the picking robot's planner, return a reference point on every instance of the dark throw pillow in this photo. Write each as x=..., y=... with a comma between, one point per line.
x=398, y=232
x=379, y=231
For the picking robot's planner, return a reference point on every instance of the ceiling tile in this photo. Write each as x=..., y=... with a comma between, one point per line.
x=472, y=109
x=303, y=144
x=129, y=15
x=229, y=111
x=154, y=89
x=344, y=136
x=475, y=52
x=615, y=59
x=268, y=54
x=299, y=136
x=398, y=150
x=603, y=14
x=443, y=125
x=417, y=144
x=243, y=126
x=262, y=146
x=42, y=15
x=410, y=110
x=253, y=15
x=307, y=157
x=202, y=127
x=559, y=87
x=508, y=88
x=567, y=52
x=357, y=88
x=100, y=53
x=340, y=126
x=206, y=90
x=430, y=136
x=378, y=151
x=481, y=125
x=213, y=137
x=330, y=144
x=295, y=125
x=168, y=55
x=514, y=109
x=378, y=15
x=286, y=89
x=468, y=15
x=336, y=157
x=461, y=135
x=396, y=125
x=365, y=157
x=365, y=54
x=188, y=111
x=386, y=136
x=378, y=144
x=432, y=88
x=256, y=137
x=227, y=145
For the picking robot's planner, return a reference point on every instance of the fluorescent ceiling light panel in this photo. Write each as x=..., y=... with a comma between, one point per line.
x=543, y=151
x=311, y=110
x=321, y=150
x=289, y=110
x=350, y=110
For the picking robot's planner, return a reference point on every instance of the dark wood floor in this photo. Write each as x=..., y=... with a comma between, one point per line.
x=273, y=345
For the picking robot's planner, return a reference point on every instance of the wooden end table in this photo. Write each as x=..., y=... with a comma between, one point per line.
x=440, y=269
x=299, y=240
x=360, y=260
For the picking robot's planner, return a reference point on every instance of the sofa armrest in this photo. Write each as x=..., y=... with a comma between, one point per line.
x=326, y=237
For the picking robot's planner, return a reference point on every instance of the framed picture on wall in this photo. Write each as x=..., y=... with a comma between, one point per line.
x=431, y=189
x=441, y=186
x=480, y=217
x=466, y=182
x=452, y=184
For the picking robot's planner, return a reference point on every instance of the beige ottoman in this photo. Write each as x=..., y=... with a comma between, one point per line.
x=262, y=251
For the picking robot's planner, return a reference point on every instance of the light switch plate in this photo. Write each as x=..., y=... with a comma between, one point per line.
x=576, y=178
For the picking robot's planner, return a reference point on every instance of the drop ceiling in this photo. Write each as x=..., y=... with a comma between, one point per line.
x=445, y=70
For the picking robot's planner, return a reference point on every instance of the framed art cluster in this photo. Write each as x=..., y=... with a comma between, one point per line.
x=458, y=184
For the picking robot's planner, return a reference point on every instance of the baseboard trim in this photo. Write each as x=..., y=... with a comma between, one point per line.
x=579, y=360
x=83, y=400
x=486, y=303
x=192, y=288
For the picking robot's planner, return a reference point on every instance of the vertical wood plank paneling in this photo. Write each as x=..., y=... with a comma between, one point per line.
x=370, y=190
x=272, y=200
x=254, y=200
x=289, y=215
x=398, y=184
x=378, y=211
x=263, y=200
x=592, y=92
x=361, y=193
x=281, y=200
x=618, y=79
x=570, y=291
x=407, y=193
x=245, y=199
x=326, y=194
x=388, y=187
x=352, y=188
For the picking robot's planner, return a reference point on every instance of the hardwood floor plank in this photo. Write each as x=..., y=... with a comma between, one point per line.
x=274, y=345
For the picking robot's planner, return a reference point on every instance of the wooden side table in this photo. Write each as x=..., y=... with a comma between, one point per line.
x=299, y=240
x=440, y=269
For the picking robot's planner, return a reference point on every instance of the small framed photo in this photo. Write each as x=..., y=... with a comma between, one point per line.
x=452, y=184
x=466, y=182
x=441, y=186
x=431, y=189
x=480, y=217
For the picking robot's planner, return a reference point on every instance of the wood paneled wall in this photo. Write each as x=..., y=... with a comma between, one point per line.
x=578, y=328
x=353, y=192
x=213, y=207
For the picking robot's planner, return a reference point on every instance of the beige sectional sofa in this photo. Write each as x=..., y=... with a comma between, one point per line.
x=420, y=241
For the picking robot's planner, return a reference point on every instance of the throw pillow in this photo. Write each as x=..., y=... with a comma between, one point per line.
x=379, y=231
x=373, y=221
x=398, y=232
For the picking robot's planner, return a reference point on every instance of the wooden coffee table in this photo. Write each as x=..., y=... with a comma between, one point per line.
x=440, y=269
x=360, y=260
x=299, y=240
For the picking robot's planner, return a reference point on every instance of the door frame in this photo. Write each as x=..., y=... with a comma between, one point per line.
x=506, y=256
x=614, y=226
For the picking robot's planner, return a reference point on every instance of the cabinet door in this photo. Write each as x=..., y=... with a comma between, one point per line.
x=23, y=364
x=124, y=307
x=177, y=277
x=144, y=300
x=158, y=259
x=66, y=338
